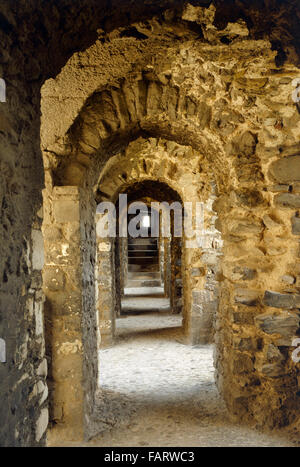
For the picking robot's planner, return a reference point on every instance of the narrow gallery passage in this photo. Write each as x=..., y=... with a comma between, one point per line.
x=183, y=337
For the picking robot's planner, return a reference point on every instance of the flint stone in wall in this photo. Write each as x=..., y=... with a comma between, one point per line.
x=247, y=228
x=279, y=188
x=53, y=234
x=280, y=300
x=44, y=395
x=296, y=225
x=250, y=198
x=287, y=200
x=285, y=324
x=37, y=250
x=244, y=273
x=42, y=424
x=42, y=368
x=286, y=170
x=288, y=279
x=2, y=351
x=285, y=341
x=273, y=225
x=39, y=322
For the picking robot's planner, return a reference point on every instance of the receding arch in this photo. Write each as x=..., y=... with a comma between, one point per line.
x=156, y=191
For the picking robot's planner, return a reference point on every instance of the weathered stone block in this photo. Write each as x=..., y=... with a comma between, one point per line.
x=66, y=211
x=42, y=424
x=249, y=198
x=242, y=363
x=53, y=234
x=211, y=258
x=243, y=317
x=37, y=250
x=296, y=225
x=104, y=246
x=244, y=273
x=287, y=200
x=42, y=368
x=279, y=300
x=288, y=279
x=246, y=297
x=197, y=272
x=279, y=188
x=65, y=302
x=202, y=296
x=66, y=191
x=245, y=228
x=54, y=279
x=286, y=170
x=296, y=187
x=284, y=324
x=244, y=343
x=273, y=370
x=274, y=354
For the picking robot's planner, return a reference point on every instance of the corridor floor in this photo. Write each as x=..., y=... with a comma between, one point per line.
x=162, y=392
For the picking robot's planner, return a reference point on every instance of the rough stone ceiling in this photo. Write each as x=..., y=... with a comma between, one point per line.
x=182, y=74
x=66, y=26
x=124, y=47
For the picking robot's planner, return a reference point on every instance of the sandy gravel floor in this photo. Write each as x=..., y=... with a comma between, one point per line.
x=162, y=392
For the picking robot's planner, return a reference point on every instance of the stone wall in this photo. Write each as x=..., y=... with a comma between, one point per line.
x=105, y=282
x=205, y=276
x=176, y=294
x=260, y=276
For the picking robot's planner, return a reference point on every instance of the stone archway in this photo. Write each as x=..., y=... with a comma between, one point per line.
x=136, y=192
x=66, y=206
x=153, y=160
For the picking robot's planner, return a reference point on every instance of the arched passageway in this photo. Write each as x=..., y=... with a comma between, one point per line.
x=141, y=129
x=205, y=92
x=147, y=260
